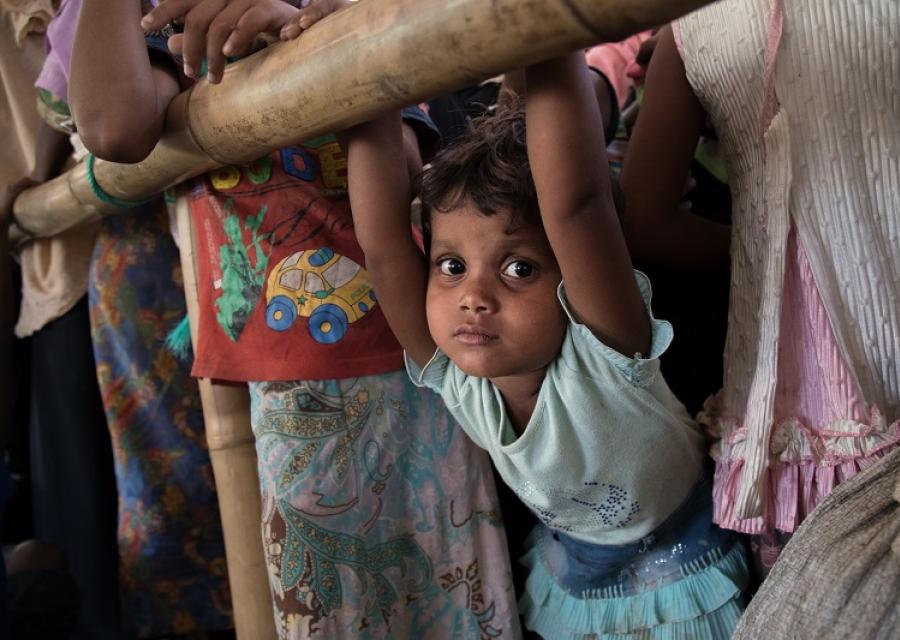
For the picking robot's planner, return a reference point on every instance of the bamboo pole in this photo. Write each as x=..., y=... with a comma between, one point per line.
x=367, y=58
x=226, y=413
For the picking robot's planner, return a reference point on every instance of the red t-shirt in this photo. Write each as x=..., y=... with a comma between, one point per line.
x=284, y=294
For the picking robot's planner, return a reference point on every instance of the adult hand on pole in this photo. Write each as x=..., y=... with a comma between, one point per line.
x=310, y=13
x=215, y=29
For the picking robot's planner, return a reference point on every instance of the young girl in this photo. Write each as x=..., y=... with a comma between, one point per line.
x=529, y=321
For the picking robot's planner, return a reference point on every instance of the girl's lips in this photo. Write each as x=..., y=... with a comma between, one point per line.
x=473, y=336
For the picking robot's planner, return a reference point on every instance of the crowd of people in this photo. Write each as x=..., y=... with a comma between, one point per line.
x=471, y=420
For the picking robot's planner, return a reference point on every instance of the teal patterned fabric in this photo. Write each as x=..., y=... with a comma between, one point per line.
x=380, y=518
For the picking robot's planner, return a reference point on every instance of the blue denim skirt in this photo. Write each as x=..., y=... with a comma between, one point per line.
x=684, y=580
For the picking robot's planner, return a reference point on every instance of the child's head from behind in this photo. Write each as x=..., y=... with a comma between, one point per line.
x=492, y=276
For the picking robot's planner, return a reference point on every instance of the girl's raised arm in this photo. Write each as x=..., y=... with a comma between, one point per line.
x=380, y=196
x=118, y=98
x=567, y=154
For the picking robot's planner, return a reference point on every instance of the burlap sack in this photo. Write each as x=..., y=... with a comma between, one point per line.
x=839, y=576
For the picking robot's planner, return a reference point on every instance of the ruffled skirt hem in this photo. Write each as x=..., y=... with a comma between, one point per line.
x=705, y=604
x=803, y=471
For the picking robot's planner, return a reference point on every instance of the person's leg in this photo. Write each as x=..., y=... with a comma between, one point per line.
x=171, y=553
x=42, y=598
x=73, y=485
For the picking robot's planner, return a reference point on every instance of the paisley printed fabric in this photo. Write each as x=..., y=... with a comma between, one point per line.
x=380, y=518
x=171, y=555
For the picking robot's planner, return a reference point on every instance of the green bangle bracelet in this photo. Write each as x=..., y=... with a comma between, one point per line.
x=105, y=197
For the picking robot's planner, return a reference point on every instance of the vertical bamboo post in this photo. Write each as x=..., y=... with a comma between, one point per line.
x=226, y=414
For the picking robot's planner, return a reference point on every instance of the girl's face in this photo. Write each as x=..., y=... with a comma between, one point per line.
x=491, y=301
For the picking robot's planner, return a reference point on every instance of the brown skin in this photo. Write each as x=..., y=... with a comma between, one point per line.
x=219, y=28
x=127, y=127
x=491, y=301
x=513, y=87
x=34, y=555
x=566, y=151
x=656, y=169
x=311, y=14
x=380, y=194
x=214, y=29
x=119, y=104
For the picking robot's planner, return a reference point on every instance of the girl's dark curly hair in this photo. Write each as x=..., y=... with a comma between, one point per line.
x=486, y=167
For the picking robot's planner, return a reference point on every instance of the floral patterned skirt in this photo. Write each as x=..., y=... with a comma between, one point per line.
x=380, y=517
x=171, y=555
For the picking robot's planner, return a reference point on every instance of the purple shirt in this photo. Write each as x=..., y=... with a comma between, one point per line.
x=54, y=76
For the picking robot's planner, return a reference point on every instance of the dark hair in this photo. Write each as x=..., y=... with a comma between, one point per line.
x=486, y=167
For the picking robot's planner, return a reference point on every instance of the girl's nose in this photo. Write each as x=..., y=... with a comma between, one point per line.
x=477, y=296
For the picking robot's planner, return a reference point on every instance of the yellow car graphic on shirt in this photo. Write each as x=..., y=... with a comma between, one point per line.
x=331, y=290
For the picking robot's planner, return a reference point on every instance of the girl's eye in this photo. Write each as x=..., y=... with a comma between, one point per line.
x=518, y=269
x=451, y=267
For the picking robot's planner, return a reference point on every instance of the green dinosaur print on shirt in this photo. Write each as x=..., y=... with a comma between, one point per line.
x=242, y=278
